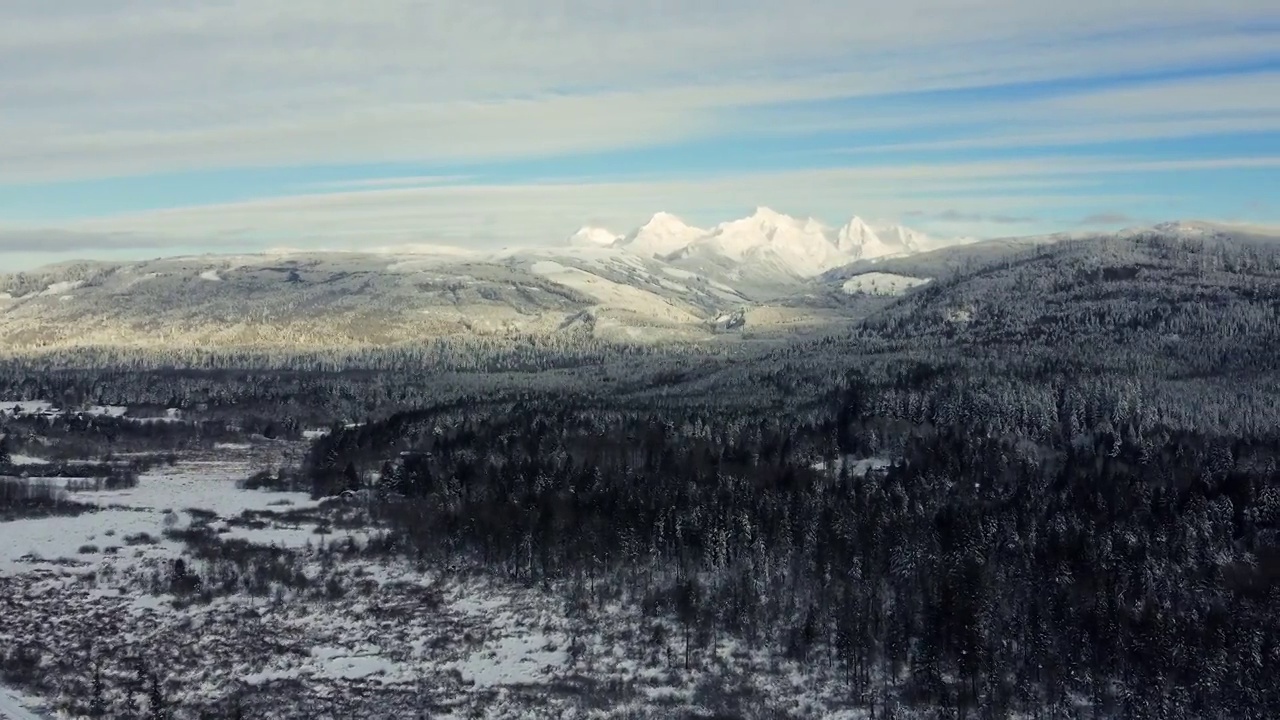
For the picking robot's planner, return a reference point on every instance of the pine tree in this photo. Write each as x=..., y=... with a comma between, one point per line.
x=97, y=703
x=351, y=477
x=157, y=709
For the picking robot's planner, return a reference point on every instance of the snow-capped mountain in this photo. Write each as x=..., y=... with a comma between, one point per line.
x=855, y=236
x=764, y=244
x=899, y=239
x=663, y=235
x=667, y=280
x=592, y=237
x=770, y=240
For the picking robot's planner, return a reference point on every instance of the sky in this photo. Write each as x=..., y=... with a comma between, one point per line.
x=139, y=128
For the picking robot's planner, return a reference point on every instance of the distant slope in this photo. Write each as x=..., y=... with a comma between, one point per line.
x=344, y=299
x=740, y=280
x=1165, y=300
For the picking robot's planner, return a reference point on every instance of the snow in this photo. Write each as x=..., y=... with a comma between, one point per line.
x=802, y=247
x=863, y=242
x=27, y=460
x=61, y=288
x=520, y=660
x=211, y=275
x=25, y=407
x=202, y=485
x=878, y=283
x=43, y=407
x=340, y=664
x=662, y=235
x=287, y=537
x=682, y=274
x=612, y=294
x=484, y=646
x=855, y=465
x=769, y=241
x=12, y=709
x=593, y=237
x=903, y=238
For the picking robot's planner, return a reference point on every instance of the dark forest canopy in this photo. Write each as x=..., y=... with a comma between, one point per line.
x=1136, y=571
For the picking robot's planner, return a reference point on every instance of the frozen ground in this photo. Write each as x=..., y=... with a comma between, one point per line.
x=878, y=283
x=13, y=708
x=162, y=500
x=296, y=618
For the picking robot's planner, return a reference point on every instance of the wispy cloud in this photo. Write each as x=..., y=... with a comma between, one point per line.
x=386, y=182
x=1108, y=218
x=953, y=215
x=994, y=194
x=56, y=240
x=328, y=81
x=492, y=122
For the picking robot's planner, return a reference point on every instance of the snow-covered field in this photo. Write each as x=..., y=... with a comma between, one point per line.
x=14, y=707
x=614, y=295
x=296, y=617
x=878, y=283
x=161, y=500
x=43, y=407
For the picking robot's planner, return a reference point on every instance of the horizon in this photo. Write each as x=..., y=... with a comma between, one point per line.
x=494, y=124
x=406, y=249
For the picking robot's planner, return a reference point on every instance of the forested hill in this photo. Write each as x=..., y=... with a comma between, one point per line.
x=1079, y=517
x=1170, y=304
x=1126, y=572
x=1153, y=329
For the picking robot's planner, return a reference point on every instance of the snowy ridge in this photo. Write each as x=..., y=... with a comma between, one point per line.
x=663, y=235
x=665, y=281
x=592, y=237
x=878, y=283
x=768, y=242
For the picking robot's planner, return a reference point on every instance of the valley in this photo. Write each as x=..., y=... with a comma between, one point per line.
x=1039, y=484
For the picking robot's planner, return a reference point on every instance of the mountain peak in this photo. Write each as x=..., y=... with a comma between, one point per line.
x=855, y=237
x=662, y=235
x=665, y=219
x=588, y=236
x=765, y=213
x=768, y=238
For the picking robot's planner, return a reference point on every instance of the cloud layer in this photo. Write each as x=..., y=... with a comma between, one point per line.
x=129, y=86
x=985, y=116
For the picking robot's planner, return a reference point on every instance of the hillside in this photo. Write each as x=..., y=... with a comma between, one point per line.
x=336, y=300
x=1209, y=302
x=665, y=281
x=1143, y=288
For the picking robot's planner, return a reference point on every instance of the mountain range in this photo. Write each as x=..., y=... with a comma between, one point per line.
x=766, y=242
x=766, y=275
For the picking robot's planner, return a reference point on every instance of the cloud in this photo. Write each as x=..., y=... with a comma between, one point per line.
x=383, y=182
x=111, y=87
x=952, y=215
x=54, y=240
x=1108, y=218
x=993, y=193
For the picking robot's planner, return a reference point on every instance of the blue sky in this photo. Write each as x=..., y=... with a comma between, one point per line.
x=139, y=127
